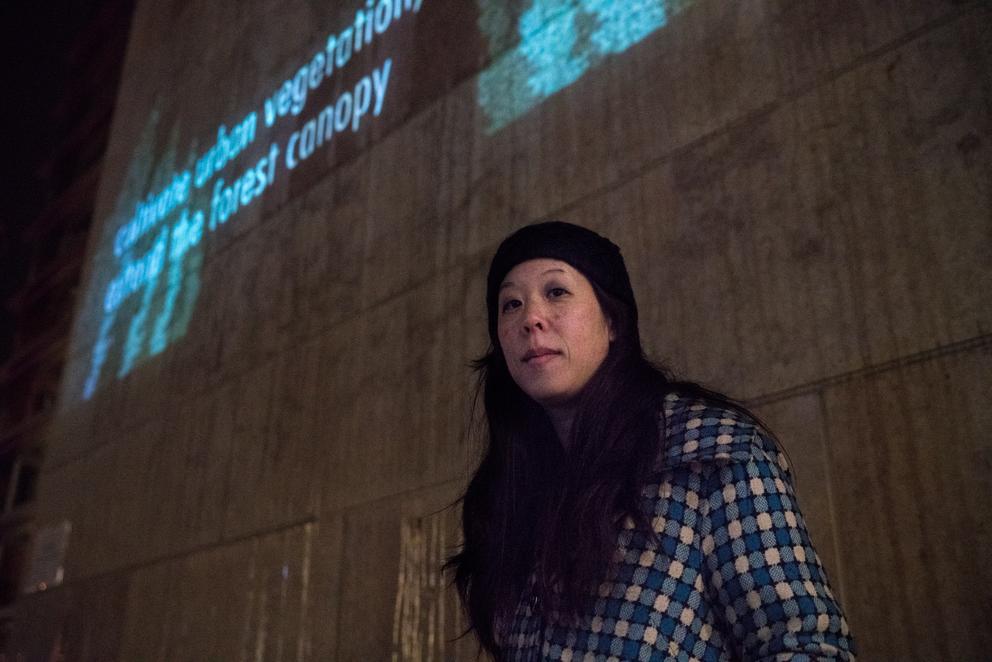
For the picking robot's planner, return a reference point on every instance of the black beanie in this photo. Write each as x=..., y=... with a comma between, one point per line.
x=596, y=257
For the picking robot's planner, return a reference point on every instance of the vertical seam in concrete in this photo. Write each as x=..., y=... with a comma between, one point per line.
x=827, y=469
x=229, y=461
x=342, y=574
x=304, y=641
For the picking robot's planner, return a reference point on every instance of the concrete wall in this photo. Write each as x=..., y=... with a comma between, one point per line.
x=803, y=191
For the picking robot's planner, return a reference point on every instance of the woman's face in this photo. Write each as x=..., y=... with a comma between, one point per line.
x=551, y=329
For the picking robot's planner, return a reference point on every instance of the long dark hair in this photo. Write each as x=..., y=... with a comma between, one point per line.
x=549, y=508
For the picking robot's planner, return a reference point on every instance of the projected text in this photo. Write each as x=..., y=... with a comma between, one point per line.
x=149, y=291
x=175, y=197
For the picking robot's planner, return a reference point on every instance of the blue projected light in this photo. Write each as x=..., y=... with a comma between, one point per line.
x=147, y=267
x=556, y=43
x=137, y=315
x=146, y=279
x=549, y=44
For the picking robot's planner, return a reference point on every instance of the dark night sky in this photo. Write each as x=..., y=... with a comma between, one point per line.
x=39, y=41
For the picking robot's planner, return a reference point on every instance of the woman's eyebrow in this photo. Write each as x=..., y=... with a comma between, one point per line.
x=508, y=283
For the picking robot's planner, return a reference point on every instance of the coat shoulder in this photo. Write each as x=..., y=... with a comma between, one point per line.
x=700, y=431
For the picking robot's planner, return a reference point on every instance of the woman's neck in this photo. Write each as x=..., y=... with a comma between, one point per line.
x=561, y=419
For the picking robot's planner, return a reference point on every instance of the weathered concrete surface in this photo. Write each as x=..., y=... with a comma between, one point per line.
x=909, y=471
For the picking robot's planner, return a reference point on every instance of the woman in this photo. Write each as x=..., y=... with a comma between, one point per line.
x=618, y=514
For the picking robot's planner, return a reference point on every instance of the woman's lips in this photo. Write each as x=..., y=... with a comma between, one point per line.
x=539, y=356
x=542, y=359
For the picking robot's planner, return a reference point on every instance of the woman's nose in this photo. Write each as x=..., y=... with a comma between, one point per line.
x=534, y=318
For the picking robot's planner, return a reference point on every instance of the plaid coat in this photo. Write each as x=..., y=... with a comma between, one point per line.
x=735, y=576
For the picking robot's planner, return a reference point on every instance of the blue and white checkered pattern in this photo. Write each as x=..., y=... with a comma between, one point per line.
x=735, y=576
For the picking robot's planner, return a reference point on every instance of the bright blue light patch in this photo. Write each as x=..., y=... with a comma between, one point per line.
x=549, y=40
x=160, y=333
x=134, y=345
x=100, y=348
x=149, y=262
x=623, y=24
x=557, y=42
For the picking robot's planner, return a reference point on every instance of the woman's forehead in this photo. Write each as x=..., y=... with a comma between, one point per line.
x=537, y=268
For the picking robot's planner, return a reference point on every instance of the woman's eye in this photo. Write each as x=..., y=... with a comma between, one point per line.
x=557, y=292
x=509, y=305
